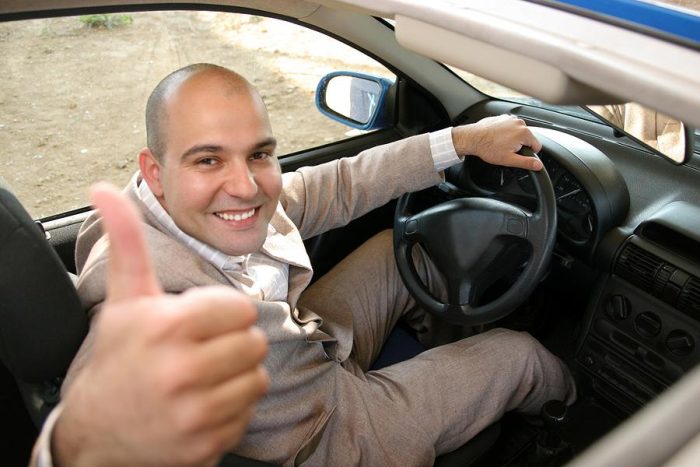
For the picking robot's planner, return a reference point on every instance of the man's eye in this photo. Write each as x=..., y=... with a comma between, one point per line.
x=206, y=161
x=260, y=155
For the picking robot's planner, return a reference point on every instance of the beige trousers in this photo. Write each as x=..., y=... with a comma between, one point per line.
x=452, y=391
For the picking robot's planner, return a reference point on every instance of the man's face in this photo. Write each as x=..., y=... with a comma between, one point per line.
x=219, y=179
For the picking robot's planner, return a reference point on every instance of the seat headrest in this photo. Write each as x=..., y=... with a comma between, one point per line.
x=42, y=323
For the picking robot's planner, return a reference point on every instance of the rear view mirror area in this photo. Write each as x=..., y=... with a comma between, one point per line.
x=669, y=137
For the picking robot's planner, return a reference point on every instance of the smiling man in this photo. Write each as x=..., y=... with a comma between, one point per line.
x=217, y=210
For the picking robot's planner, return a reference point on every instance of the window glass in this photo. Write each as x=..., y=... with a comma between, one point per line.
x=74, y=90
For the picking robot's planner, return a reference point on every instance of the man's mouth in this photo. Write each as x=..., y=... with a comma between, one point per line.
x=240, y=216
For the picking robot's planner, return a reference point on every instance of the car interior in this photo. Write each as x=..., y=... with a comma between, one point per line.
x=607, y=276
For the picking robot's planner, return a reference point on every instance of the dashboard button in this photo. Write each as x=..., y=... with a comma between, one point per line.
x=648, y=324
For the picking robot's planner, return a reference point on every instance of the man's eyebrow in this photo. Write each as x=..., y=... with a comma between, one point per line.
x=265, y=142
x=214, y=148
x=200, y=148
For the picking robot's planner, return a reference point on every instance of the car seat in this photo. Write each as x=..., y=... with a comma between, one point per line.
x=41, y=321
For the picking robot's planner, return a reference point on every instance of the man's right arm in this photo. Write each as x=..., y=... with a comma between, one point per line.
x=169, y=380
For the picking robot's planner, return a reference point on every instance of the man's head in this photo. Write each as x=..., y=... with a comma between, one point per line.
x=210, y=157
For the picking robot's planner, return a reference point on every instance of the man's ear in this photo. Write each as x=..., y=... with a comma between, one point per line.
x=150, y=170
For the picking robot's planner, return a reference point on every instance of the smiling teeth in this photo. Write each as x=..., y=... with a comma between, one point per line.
x=236, y=217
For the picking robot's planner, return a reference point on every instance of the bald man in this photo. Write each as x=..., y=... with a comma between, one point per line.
x=218, y=210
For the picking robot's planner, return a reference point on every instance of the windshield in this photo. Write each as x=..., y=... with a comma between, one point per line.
x=652, y=129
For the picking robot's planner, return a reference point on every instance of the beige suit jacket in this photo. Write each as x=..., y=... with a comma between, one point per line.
x=310, y=393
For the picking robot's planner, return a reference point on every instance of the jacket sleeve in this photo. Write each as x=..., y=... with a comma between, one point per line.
x=323, y=197
x=41, y=454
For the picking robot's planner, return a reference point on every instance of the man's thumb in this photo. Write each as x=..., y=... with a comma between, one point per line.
x=130, y=271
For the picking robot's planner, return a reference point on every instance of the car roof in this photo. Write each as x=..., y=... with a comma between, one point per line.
x=671, y=20
x=558, y=56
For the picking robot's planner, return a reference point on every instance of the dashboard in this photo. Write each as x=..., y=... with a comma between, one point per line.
x=591, y=195
x=641, y=329
x=574, y=206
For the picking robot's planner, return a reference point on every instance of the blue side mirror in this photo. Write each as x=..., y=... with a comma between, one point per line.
x=354, y=99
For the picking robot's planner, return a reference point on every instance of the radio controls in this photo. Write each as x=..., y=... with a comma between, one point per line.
x=680, y=343
x=648, y=324
x=618, y=307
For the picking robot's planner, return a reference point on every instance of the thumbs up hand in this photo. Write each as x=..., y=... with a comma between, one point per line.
x=171, y=379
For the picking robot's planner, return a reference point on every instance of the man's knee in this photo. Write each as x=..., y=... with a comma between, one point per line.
x=535, y=362
x=517, y=347
x=521, y=343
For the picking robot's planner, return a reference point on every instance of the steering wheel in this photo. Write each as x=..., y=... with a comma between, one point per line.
x=471, y=241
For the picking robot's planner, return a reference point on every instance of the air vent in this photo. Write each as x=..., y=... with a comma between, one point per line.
x=689, y=300
x=638, y=266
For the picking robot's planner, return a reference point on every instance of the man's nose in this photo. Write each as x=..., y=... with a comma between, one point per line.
x=240, y=181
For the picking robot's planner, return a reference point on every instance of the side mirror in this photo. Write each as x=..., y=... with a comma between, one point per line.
x=354, y=99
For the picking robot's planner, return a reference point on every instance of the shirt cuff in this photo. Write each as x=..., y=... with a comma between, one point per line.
x=43, y=453
x=443, y=150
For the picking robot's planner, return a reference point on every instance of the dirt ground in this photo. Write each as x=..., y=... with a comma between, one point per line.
x=73, y=97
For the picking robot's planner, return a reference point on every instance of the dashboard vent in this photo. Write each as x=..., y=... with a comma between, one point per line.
x=638, y=266
x=689, y=300
x=660, y=278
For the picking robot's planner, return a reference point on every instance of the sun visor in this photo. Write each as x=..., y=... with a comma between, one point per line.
x=516, y=71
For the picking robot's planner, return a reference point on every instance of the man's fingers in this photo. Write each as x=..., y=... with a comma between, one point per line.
x=535, y=144
x=524, y=162
x=207, y=312
x=228, y=355
x=130, y=272
x=234, y=397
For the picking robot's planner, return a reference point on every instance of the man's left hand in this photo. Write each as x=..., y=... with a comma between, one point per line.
x=497, y=140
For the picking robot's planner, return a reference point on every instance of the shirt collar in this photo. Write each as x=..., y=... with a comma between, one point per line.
x=278, y=246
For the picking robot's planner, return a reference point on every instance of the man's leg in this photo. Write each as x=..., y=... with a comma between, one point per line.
x=366, y=290
x=453, y=391
x=456, y=390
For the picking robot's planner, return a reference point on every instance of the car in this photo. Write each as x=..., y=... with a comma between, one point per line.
x=602, y=267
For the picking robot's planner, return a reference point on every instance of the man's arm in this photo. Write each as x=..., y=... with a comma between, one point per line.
x=330, y=195
x=171, y=380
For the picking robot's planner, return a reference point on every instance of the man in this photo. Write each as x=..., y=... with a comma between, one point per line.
x=218, y=211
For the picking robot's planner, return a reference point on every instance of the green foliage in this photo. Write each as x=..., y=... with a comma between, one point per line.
x=106, y=21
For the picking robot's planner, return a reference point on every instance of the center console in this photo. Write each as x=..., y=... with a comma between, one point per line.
x=643, y=328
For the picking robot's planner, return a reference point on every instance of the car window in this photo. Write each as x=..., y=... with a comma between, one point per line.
x=74, y=90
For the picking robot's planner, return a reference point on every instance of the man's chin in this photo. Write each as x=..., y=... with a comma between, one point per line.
x=241, y=248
